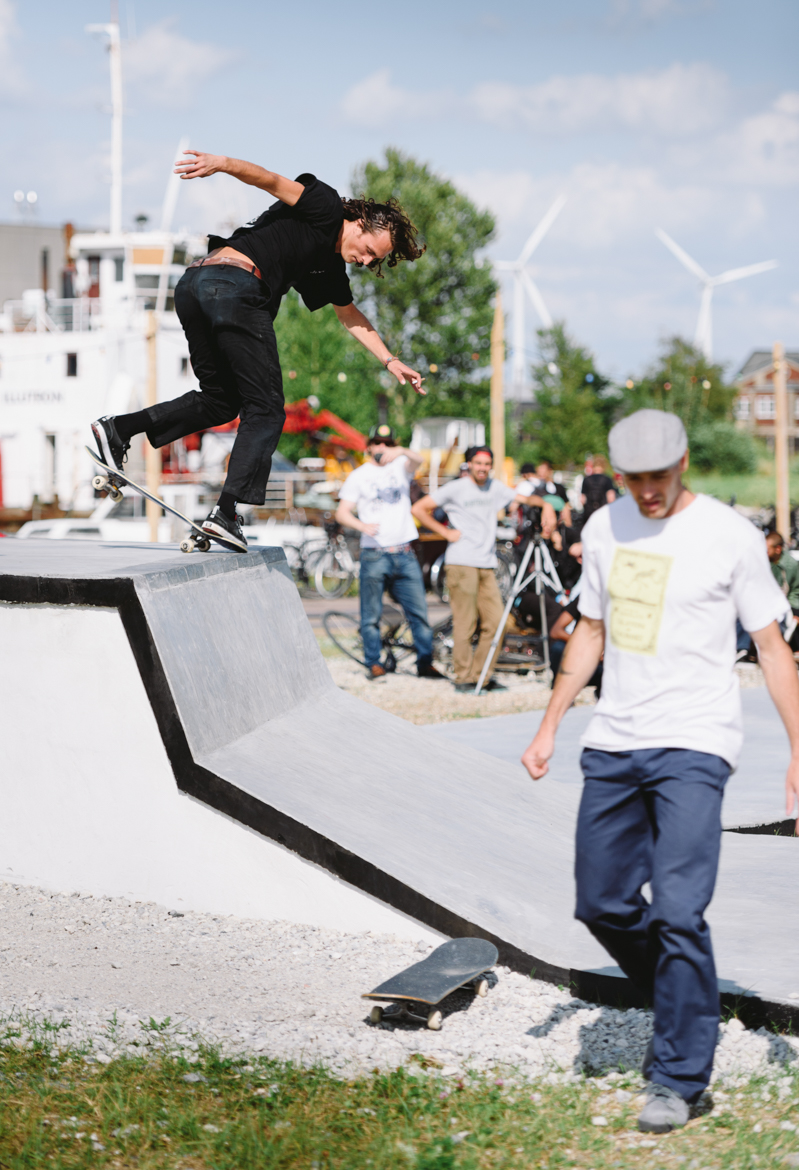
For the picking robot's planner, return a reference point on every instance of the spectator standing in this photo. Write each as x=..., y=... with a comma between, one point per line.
x=786, y=574
x=665, y=572
x=472, y=503
x=538, y=481
x=598, y=488
x=380, y=490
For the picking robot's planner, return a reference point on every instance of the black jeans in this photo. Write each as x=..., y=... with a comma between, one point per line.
x=234, y=354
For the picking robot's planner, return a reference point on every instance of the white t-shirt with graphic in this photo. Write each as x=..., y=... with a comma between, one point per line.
x=382, y=496
x=669, y=592
x=473, y=511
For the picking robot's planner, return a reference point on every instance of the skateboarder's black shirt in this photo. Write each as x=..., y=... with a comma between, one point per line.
x=295, y=247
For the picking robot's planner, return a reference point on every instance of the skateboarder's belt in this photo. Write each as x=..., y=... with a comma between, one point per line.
x=231, y=260
x=397, y=548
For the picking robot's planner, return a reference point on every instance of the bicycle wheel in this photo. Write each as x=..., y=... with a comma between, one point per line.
x=443, y=644
x=332, y=577
x=344, y=631
x=505, y=572
x=399, y=642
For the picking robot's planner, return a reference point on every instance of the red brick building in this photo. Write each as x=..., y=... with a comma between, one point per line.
x=754, y=403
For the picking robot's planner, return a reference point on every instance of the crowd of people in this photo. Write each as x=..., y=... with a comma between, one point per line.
x=377, y=501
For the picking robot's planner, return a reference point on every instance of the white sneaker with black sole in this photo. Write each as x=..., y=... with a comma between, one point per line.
x=110, y=447
x=227, y=531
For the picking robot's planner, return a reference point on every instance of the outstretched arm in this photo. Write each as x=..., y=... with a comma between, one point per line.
x=203, y=165
x=364, y=331
x=580, y=660
x=779, y=671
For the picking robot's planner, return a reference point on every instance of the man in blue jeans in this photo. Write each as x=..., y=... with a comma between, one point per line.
x=665, y=574
x=380, y=490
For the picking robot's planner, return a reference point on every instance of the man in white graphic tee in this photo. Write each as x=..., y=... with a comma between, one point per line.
x=380, y=490
x=665, y=574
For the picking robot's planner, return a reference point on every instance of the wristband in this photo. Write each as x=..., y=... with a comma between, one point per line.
x=388, y=362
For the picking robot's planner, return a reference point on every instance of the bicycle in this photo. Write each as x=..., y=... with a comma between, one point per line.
x=323, y=563
x=396, y=639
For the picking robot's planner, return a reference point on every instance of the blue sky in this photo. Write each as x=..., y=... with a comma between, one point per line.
x=682, y=114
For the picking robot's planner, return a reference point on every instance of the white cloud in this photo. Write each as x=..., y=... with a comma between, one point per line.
x=679, y=100
x=608, y=205
x=12, y=82
x=764, y=148
x=165, y=68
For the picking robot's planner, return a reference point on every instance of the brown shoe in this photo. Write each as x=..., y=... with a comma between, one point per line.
x=376, y=671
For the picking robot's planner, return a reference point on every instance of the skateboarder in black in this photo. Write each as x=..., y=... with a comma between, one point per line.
x=227, y=302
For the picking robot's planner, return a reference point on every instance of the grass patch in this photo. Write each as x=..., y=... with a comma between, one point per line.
x=56, y=1110
x=754, y=491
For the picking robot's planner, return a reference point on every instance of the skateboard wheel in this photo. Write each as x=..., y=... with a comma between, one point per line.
x=434, y=1021
x=187, y=545
x=203, y=544
x=99, y=482
x=481, y=987
x=376, y=1014
x=116, y=495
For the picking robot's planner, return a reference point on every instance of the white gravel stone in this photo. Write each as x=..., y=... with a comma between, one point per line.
x=116, y=977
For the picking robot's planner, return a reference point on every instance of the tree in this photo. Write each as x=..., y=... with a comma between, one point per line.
x=573, y=403
x=320, y=358
x=683, y=381
x=436, y=312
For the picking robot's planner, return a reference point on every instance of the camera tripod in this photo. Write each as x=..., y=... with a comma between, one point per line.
x=544, y=573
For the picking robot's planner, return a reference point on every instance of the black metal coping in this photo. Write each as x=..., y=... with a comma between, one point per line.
x=120, y=593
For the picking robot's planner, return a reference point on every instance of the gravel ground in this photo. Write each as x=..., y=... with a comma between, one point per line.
x=421, y=701
x=116, y=970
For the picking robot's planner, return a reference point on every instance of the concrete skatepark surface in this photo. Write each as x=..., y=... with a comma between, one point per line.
x=286, y=797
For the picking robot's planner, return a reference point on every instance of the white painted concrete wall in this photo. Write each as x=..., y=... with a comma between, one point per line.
x=88, y=800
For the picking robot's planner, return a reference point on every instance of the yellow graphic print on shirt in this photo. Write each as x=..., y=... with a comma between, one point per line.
x=637, y=588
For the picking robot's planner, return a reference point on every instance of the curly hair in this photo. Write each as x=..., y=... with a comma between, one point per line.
x=389, y=216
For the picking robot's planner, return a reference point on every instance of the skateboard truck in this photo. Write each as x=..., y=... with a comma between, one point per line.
x=404, y=1011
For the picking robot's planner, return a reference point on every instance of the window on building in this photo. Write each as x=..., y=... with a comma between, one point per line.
x=764, y=406
x=72, y=365
x=119, y=268
x=184, y=367
x=742, y=407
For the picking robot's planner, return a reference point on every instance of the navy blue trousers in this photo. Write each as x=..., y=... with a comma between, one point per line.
x=655, y=816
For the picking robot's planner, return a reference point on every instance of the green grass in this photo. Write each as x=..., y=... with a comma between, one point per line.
x=57, y=1111
x=754, y=491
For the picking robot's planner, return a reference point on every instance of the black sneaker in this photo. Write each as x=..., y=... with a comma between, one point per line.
x=110, y=447
x=427, y=670
x=227, y=531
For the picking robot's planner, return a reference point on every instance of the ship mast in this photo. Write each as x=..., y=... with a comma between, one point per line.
x=115, y=60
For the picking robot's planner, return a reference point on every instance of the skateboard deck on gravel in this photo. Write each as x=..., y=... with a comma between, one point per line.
x=112, y=482
x=457, y=963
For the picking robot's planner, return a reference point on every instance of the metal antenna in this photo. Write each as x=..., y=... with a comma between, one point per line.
x=115, y=60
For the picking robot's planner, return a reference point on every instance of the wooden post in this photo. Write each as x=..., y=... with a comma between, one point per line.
x=783, y=517
x=497, y=399
x=152, y=456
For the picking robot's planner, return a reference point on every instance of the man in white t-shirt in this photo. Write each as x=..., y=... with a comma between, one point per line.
x=380, y=490
x=472, y=504
x=665, y=574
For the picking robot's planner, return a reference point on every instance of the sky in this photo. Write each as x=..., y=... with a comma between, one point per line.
x=678, y=114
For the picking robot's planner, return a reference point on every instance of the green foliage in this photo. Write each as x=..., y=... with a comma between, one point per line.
x=574, y=403
x=436, y=311
x=317, y=349
x=684, y=382
x=720, y=446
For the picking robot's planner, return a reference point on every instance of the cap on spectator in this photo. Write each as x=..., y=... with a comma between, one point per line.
x=649, y=440
x=382, y=433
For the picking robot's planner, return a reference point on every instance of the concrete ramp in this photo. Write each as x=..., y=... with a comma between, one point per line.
x=331, y=810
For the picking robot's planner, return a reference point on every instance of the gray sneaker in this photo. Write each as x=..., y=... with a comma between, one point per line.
x=649, y=1059
x=664, y=1110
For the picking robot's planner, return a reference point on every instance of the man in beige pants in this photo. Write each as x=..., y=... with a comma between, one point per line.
x=472, y=504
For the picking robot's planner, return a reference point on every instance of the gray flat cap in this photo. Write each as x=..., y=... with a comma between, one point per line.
x=649, y=440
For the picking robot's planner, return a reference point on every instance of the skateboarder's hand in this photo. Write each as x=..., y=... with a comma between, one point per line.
x=201, y=166
x=405, y=374
x=536, y=757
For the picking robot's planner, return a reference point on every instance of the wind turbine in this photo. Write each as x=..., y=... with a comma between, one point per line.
x=703, y=339
x=523, y=283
